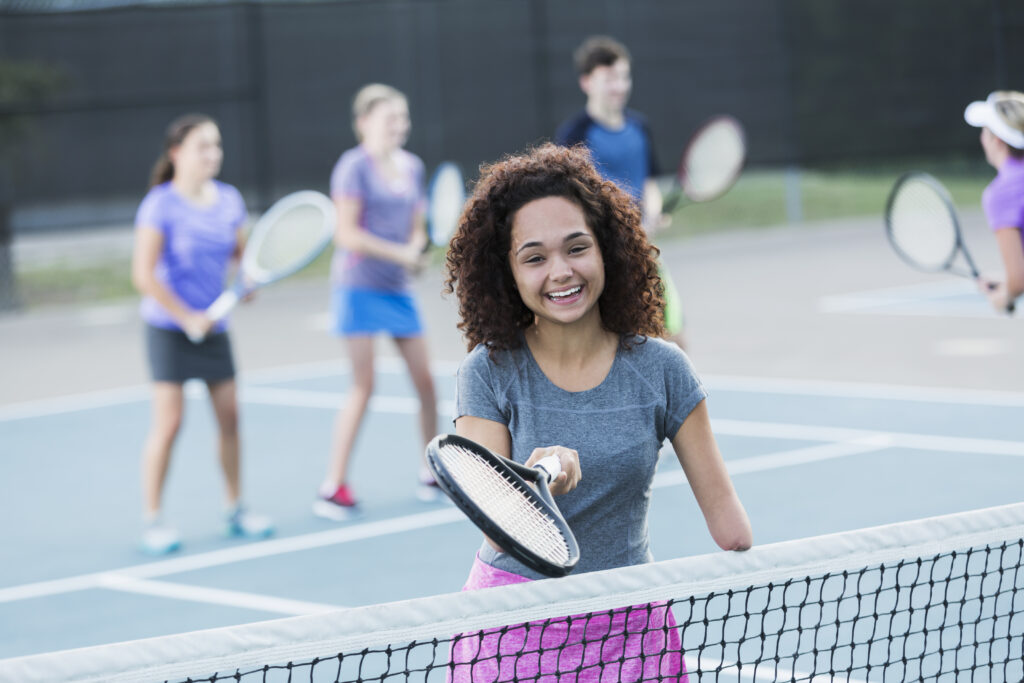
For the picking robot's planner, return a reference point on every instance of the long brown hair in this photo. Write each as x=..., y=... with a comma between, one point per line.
x=163, y=169
x=478, y=269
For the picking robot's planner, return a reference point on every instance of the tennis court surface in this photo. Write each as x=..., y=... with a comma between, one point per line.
x=832, y=423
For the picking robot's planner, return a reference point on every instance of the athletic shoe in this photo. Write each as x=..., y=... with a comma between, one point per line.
x=159, y=539
x=244, y=524
x=337, y=506
x=427, y=490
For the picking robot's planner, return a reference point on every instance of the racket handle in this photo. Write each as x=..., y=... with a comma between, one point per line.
x=551, y=465
x=222, y=305
x=671, y=201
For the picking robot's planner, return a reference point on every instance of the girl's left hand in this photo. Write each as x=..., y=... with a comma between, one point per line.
x=996, y=293
x=570, y=475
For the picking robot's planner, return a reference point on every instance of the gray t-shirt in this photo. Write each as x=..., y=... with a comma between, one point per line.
x=617, y=428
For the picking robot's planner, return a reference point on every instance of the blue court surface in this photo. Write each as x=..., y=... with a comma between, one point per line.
x=807, y=458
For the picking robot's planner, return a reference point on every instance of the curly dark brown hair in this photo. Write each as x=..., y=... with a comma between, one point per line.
x=478, y=265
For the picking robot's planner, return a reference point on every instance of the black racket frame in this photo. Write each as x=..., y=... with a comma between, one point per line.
x=519, y=476
x=959, y=247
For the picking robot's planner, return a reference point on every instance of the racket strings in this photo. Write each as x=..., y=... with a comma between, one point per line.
x=713, y=161
x=288, y=241
x=506, y=503
x=922, y=225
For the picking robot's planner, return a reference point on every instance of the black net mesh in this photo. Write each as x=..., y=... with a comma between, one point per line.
x=952, y=616
x=939, y=599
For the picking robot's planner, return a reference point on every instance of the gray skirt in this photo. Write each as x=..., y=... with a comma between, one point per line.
x=173, y=358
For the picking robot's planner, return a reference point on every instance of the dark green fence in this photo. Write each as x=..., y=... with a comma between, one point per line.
x=814, y=82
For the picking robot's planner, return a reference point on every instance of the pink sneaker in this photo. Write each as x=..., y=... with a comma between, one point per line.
x=337, y=506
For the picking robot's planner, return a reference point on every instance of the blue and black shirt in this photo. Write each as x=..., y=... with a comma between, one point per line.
x=624, y=156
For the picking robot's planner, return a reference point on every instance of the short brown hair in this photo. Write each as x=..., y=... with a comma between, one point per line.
x=598, y=51
x=478, y=266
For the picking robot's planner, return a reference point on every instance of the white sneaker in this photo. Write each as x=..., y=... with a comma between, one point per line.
x=160, y=539
x=245, y=524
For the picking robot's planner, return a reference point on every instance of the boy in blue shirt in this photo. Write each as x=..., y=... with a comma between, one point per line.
x=619, y=141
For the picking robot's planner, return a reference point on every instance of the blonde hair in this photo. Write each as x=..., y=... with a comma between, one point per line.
x=368, y=97
x=1009, y=105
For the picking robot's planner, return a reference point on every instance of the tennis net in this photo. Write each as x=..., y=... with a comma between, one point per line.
x=934, y=599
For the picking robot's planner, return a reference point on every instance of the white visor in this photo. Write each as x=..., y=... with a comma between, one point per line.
x=984, y=115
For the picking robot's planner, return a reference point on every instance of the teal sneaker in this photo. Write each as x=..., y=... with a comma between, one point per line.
x=244, y=524
x=159, y=539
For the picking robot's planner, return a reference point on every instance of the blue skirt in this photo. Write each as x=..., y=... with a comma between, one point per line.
x=367, y=311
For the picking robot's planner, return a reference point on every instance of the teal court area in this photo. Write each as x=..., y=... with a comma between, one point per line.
x=808, y=458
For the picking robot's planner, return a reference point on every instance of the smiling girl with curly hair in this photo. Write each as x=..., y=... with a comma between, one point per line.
x=560, y=303
x=490, y=305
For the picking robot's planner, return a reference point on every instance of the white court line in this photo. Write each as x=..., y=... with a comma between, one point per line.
x=391, y=365
x=446, y=370
x=727, y=427
x=895, y=296
x=882, y=392
x=878, y=392
x=707, y=665
x=194, y=389
x=791, y=458
x=69, y=404
x=862, y=443
x=924, y=442
x=925, y=299
x=242, y=553
x=720, y=426
x=211, y=596
x=402, y=405
x=287, y=545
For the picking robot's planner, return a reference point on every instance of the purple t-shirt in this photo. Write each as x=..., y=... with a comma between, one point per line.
x=1003, y=199
x=198, y=243
x=386, y=210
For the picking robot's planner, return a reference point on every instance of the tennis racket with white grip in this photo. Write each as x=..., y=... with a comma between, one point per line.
x=285, y=239
x=509, y=502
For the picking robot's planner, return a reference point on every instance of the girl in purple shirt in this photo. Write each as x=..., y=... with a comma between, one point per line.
x=1001, y=119
x=377, y=188
x=188, y=229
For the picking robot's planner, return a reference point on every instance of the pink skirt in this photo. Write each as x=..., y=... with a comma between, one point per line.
x=626, y=645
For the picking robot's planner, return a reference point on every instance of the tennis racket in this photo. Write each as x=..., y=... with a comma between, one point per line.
x=711, y=162
x=509, y=502
x=284, y=240
x=922, y=226
x=446, y=195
